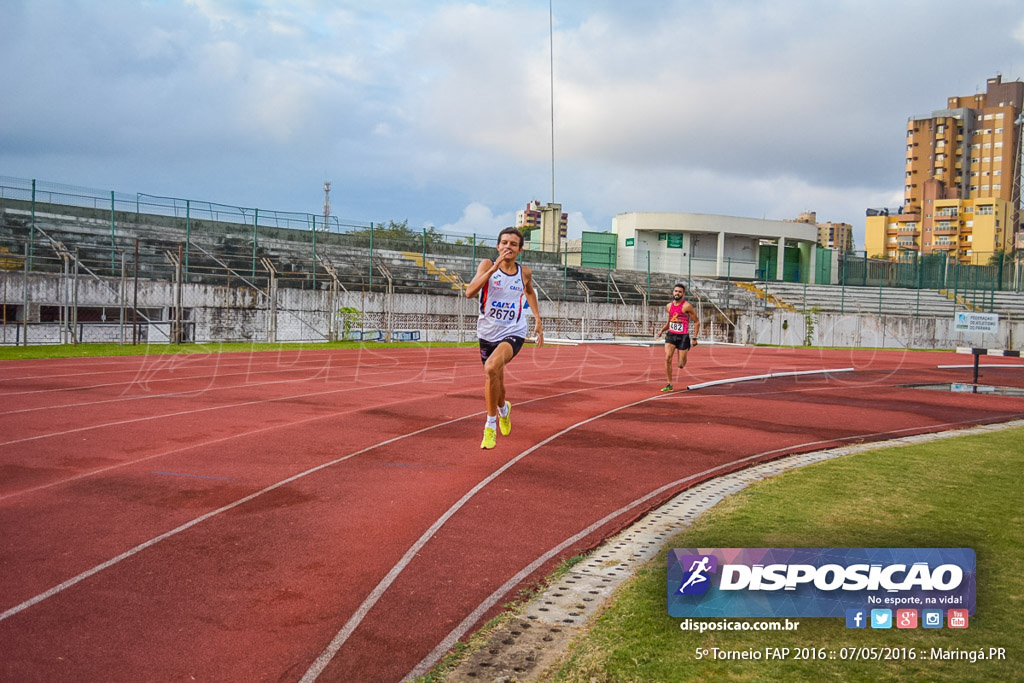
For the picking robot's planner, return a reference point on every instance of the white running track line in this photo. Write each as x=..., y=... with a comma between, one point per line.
x=180, y=449
x=192, y=392
x=225, y=406
x=257, y=431
x=350, y=626
x=446, y=644
x=358, y=367
x=264, y=359
x=152, y=364
x=364, y=369
x=329, y=366
x=188, y=525
x=338, y=641
x=139, y=548
x=202, y=518
x=262, y=429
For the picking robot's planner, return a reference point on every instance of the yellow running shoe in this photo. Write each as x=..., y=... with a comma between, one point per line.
x=490, y=439
x=505, y=423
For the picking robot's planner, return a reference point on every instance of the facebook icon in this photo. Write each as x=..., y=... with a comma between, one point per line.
x=856, y=618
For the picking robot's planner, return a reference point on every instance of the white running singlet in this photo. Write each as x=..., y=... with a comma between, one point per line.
x=501, y=307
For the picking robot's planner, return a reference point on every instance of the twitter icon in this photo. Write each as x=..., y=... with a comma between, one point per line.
x=881, y=618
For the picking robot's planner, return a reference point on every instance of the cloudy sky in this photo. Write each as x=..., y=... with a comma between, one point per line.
x=440, y=112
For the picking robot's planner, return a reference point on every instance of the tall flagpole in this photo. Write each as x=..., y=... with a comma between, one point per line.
x=551, y=38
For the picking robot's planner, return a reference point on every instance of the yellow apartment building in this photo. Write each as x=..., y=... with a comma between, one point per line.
x=971, y=230
x=962, y=180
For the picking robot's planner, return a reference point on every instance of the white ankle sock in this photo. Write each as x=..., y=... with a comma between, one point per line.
x=503, y=410
x=492, y=421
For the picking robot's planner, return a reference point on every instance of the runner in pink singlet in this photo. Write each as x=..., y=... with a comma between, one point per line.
x=680, y=313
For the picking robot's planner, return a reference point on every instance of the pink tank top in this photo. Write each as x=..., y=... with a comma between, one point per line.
x=678, y=321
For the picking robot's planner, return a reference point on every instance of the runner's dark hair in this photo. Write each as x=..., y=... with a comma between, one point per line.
x=513, y=231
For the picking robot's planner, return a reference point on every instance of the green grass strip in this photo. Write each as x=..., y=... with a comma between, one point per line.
x=960, y=492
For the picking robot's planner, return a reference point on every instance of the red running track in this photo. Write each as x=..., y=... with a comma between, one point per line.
x=280, y=516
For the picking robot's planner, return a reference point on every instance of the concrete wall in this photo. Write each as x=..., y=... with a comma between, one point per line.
x=871, y=331
x=218, y=313
x=221, y=314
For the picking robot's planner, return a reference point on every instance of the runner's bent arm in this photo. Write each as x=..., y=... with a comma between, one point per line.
x=484, y=271
x=693, y=317
x=531, y=298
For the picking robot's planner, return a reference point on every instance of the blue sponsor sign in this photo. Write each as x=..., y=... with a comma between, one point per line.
x=817, y=582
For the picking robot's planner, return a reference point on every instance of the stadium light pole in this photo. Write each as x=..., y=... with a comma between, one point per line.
x=551, y=43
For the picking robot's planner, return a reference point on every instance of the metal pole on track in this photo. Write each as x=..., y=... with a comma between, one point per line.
x=135, y=301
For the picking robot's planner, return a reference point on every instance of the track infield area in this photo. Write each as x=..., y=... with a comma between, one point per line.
x=329, y=514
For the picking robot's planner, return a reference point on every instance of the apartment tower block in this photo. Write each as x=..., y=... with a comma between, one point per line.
x=962, y=181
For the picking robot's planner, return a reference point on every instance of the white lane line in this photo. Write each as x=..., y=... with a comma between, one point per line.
x=319, y=374
x=167, y=364
x=339, y=640
x=473, y=617
x=375, y=595
x=266, y=429
x=188, y=525
x=194, y=411
x=350, y=626
x=117, y=423
x=202, y=518
x=194, y=392
x=152, y=364
x=182, y=449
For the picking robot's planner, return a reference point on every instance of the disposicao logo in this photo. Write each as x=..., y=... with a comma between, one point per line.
x=696, y=580
x=817, y=582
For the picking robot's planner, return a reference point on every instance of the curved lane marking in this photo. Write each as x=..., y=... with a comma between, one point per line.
x=241, y=501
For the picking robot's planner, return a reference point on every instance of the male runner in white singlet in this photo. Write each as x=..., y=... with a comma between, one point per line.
x=501, y=327
x=680, y=313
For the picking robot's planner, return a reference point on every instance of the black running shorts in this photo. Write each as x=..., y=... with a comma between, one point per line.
x=680, y=341
x=487, y=348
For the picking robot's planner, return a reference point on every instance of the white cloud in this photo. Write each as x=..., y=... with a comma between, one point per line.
x=479, y=219
x=216, y=12
x=578, y=225
x=441, y=110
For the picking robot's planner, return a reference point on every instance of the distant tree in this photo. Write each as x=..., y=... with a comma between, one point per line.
x=401, y=231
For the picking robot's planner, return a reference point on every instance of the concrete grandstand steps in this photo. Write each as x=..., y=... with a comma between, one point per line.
x=1010, y=303
x=224, y=253
x=727, y=295
x=299, y=266
x=91, y=242
x=770, y=300
x=855, y=299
